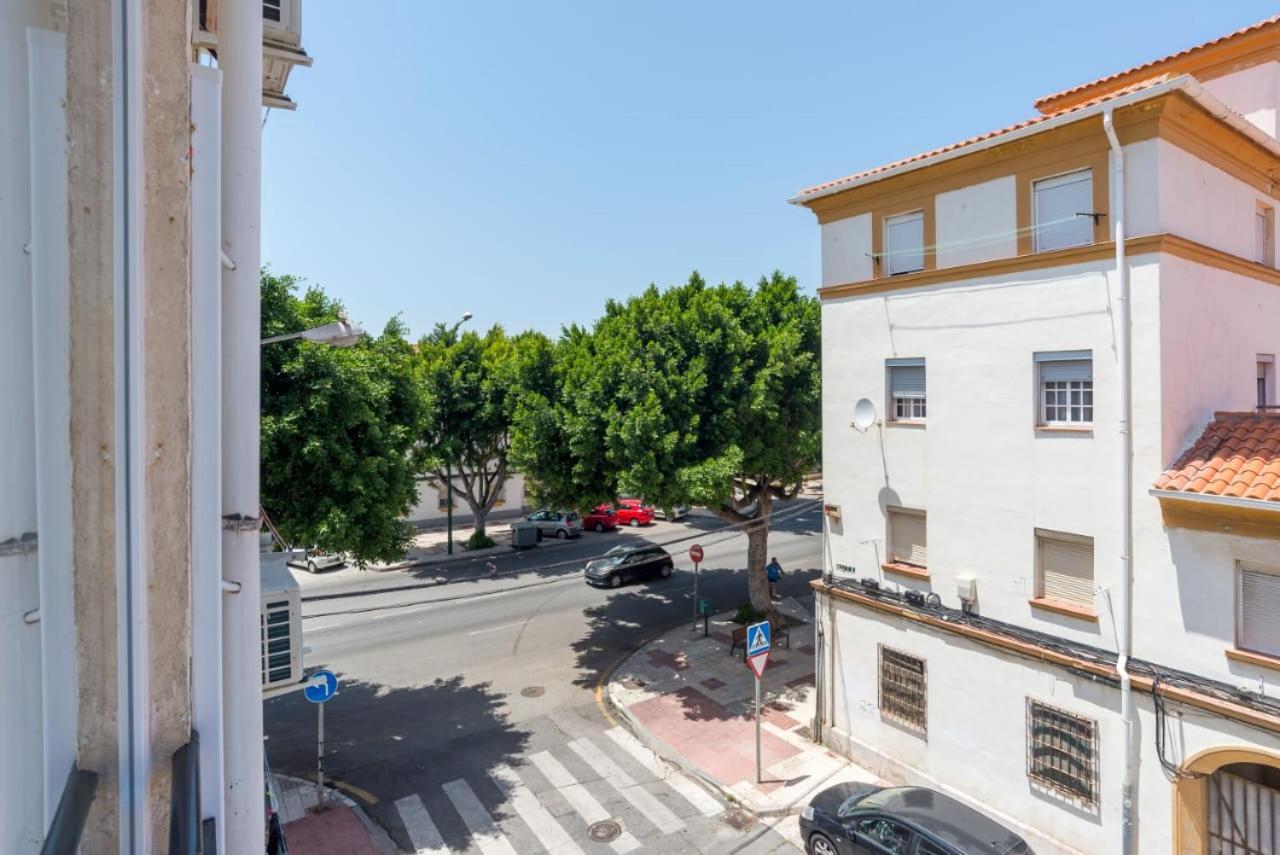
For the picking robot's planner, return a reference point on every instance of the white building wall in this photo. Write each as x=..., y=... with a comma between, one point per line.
x=846, y=250
x=976, y=746
x=431, y=499
x=1251, y=92
x=977, y=223
x=1202, y=203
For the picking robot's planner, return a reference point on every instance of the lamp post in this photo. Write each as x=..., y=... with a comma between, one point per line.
x=448, y=462
x=340, y=333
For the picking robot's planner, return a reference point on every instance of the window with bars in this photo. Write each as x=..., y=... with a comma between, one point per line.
x=906, y=389
x=902, y=690
x=1258, y=611
x=1064, y=568
x=1065, y=387
x=1062, y=752
x=908, y=542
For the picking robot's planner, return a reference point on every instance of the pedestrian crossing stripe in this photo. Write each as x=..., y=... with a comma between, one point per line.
x=757, y=638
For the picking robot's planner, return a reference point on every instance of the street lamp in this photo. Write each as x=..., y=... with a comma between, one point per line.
x=448, y=464
x=340, y=333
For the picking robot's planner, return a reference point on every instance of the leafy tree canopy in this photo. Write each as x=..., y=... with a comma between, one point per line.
x=338, y=425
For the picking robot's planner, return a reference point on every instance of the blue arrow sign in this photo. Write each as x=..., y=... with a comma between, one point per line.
x=758, y=638
x=322, y=685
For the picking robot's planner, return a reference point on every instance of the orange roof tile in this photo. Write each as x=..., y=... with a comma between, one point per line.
x=1153, y=65
x=1237, y=456
x=1135, y=87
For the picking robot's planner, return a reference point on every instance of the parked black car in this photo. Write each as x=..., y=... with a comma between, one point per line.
x=629, y=561
x=859, y=819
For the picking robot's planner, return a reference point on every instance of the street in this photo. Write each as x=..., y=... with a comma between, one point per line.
x=469, y=718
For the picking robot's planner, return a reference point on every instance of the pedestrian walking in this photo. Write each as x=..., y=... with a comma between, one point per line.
x=775, y=579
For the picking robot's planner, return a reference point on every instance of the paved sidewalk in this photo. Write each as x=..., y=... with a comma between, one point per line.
x=342, y=828
x=694, y=703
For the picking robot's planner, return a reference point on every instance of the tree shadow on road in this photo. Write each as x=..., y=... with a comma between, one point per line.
x=396, y=741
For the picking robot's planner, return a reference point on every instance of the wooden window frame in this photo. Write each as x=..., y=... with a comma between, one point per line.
x=1058, y=604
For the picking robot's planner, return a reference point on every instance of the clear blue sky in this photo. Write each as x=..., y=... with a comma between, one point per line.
x=527, y=161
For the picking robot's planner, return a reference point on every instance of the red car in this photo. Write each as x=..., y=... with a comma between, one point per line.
x=603, y=517
x=634, y=512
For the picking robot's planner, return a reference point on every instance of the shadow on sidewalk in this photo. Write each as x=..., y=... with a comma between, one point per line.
x=394, y=741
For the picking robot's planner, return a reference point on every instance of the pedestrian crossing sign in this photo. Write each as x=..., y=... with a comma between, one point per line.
x=758, y=638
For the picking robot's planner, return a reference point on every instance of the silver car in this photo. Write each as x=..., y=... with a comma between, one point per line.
x=561, y=524
x=314, y=561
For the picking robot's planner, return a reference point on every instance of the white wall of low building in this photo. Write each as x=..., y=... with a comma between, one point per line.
x=846, y=250
x=1251, y=92
x=430, y=507
x=977, y=223
x=976, y=744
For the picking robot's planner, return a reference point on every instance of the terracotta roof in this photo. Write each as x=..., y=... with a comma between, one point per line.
x=1237, y=456
x=1147, y=66
x=1135, y=87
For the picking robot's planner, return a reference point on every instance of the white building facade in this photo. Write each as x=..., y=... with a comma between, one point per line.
x=978, y=594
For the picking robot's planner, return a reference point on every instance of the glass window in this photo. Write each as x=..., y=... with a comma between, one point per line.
x=1064, y=568
x=1063, y=211
x=893, y=836
x=904, y=243
x=906, y=390
x=907, y=537
x=1062, y=752
x=902, y=689
x=1065, y=387
x=1258, y=611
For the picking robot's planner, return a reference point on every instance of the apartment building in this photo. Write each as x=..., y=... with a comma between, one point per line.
x=130, y=640
x=1052, y=461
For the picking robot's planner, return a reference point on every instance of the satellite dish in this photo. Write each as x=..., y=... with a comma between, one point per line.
x=864, y=415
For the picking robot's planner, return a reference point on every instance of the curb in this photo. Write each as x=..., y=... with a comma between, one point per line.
x=470, y=555
x=379, y=836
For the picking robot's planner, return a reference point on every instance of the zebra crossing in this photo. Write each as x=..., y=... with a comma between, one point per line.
x=545, y=805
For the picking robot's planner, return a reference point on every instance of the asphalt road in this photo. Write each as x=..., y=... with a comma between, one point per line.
x=459, y=682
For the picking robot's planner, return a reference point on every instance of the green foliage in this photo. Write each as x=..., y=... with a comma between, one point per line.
x=478, y=540
x=471, y=386
x=746, y=614
x=337, y=428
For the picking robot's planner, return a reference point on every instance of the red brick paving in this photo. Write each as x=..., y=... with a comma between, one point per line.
x=778, y=718
x=702, y=730
x=336, y=831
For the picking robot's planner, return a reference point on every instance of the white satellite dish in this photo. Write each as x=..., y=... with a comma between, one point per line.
x=864, y=415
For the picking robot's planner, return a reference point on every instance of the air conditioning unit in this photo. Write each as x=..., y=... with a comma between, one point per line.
x=281, y=624
x=967, y=589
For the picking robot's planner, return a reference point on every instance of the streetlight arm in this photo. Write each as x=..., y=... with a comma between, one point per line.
x=340, y=333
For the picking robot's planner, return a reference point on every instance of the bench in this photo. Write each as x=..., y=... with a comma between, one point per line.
x=778, y=632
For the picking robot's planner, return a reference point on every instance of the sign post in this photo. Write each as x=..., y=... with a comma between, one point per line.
x=695, y=555
x=322, y=686
x=759, y=641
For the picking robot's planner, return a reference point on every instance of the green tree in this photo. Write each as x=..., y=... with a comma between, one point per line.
x=337, y=430
x=698, y=395
x=471, y=385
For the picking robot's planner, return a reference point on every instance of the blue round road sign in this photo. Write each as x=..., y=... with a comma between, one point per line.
x=321, y=686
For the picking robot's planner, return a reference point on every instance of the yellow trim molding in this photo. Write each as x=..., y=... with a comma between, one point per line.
x=1190, y=793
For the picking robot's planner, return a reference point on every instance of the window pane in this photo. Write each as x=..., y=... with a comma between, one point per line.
x=904, y=243
x=1058, y=203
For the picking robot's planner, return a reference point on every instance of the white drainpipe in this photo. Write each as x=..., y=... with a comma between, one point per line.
x=240, y=60
x=1124, y=616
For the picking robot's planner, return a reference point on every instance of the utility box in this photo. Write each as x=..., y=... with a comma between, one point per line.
x=967, y=589
x=281, y=624
x=524, y=535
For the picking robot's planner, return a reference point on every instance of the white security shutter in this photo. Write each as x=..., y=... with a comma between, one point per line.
x=904, y=243
x=906, y=381
x=1259, y=628
x=1058, y=203
x=1066, y=570
x=1066, y=369
x=907, y=541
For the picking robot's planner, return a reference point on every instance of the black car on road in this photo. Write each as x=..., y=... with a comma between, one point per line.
x=859, y=819
x=627, y=562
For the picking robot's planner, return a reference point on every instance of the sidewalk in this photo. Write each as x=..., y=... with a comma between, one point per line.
x=694, y=704
x=342, y=828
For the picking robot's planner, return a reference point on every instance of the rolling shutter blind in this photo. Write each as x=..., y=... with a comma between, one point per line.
x=1066, y=571
x=1058, y=201
x=1066, y=369
x=907, y=538
x=904, y=243
x=906, y=381
x=1260, y=611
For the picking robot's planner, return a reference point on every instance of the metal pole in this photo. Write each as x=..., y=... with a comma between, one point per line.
x=695, y=596
x=448, y=472
x=759, y=774
x=320, y=760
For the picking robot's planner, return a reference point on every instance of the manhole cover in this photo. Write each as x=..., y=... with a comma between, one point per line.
x=737, y=818
x=604, y=831
x=633, y=683
x=533, y=692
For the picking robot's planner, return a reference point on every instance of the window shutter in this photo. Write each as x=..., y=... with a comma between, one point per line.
x=1260, y=611
x=906, y=381
x=1058, y=201
x=907, y=532
x=1066, y=571
x=904, y=243
x=1066, y=369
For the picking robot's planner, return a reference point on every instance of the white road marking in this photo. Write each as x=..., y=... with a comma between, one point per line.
x=650, y=807
x=496, y=628
x=486, y=834
x=549, y=833
x=695, y=795
x=577, y=796
x=422, y=830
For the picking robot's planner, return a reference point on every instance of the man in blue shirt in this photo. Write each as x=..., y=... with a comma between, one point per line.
x=775, y=578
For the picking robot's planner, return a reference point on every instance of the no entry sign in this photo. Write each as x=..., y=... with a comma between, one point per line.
x=695, y=553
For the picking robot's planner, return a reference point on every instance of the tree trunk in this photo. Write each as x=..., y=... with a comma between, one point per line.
x=757, y=557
